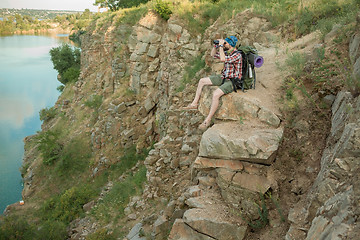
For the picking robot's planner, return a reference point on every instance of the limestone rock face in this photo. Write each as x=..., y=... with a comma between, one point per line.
x=236, y=141
x=354, y=48
x=354, y=53
x=334, y=195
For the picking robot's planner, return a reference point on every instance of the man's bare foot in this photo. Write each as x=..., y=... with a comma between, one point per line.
x=204, y=125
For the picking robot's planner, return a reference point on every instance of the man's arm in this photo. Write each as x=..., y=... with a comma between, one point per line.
x=221, y=50
x=222, y=53
x=213, y=51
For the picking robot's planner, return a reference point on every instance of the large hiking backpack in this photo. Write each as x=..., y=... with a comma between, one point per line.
x=250, y=60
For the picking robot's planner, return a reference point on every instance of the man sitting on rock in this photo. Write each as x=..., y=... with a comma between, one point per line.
x=227, y=53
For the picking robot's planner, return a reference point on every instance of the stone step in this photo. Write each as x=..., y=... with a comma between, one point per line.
x=208, y=218
x=242, y=189
x=236, y=141
x=181, y=231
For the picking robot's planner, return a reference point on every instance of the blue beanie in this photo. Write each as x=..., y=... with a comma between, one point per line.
x=232, y=40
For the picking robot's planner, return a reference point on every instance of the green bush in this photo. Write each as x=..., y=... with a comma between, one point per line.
x=74, y=157
x=54, y=230
x=49, y=146
x=14, y=227
x=67, y=206
x=47, y=113
x=60, y=88
x=163, y=9
x=71, y=74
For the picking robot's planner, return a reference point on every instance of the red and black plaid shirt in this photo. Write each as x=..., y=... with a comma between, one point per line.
x=232, y=65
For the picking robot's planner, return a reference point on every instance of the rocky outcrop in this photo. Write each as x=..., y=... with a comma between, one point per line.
x=354, y=52
x=331, y=208
x=332, y=205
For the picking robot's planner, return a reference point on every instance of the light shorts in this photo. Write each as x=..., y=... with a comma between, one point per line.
x=226, y=87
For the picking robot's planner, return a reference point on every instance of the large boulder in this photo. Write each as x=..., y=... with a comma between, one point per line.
x=236, y=141
x=238, y=107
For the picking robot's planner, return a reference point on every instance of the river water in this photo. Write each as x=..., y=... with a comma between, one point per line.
x=28, y=84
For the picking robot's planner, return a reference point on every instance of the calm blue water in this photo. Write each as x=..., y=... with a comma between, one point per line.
x=27, y=84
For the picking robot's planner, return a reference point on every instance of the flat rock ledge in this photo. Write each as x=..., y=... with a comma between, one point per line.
x=236, y=141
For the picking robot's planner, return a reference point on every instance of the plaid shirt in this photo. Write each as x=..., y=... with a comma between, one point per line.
x=232, y=65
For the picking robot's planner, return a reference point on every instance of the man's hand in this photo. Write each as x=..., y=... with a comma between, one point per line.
x=221, y=50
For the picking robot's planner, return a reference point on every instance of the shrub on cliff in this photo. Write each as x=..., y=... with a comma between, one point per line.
x=163, y=9
x=49, y=146
x=66, y=61
x=68, y=205
x=47, y=113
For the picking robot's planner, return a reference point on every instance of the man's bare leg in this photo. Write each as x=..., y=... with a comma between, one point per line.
x=218, y=93
x=202, y=82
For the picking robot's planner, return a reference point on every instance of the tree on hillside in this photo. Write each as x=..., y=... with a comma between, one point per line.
x=115, y=5
x=86, y=14
x=67, y=62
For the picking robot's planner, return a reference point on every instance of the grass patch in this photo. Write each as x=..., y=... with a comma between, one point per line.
x=94, y=101
x=198, y=15
x=323, y=14
x=112, y=206
x=75, y=157
x=296, y=63
x=131, y=16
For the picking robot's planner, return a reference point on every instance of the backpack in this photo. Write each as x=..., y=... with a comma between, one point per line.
x=250, y=60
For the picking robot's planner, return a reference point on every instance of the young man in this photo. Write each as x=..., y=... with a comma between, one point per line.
x=226, y=52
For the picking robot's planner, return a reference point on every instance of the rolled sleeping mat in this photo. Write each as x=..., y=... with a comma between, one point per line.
x=256, y=60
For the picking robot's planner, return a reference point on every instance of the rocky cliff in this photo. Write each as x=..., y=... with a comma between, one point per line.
x=212, y=184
